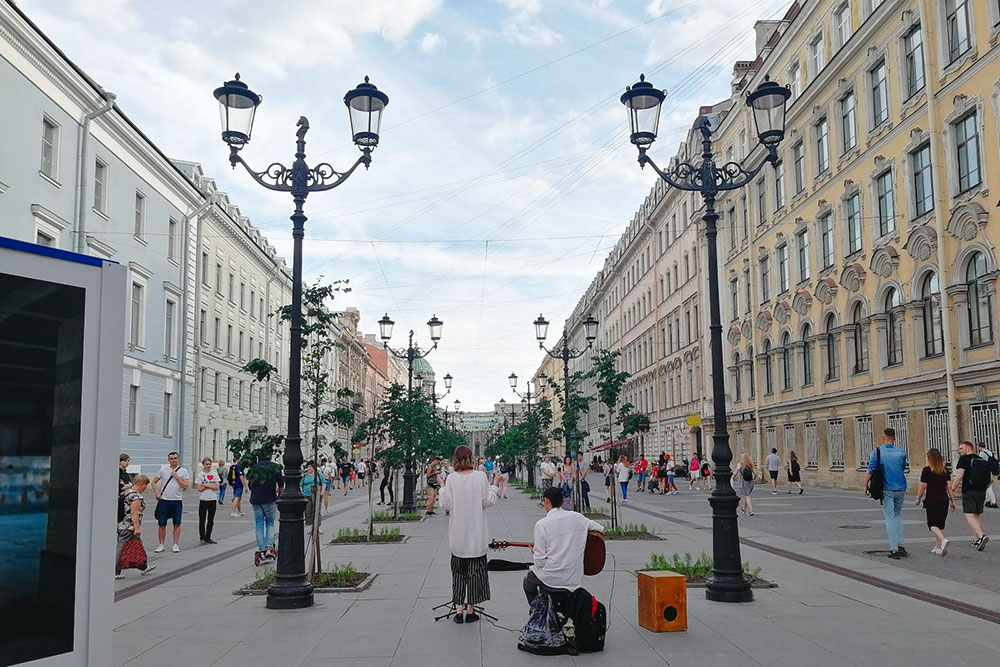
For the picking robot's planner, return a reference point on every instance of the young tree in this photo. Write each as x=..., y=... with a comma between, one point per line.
x=609, y=382
x=573, y=403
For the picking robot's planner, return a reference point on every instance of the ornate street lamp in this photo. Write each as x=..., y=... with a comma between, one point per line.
x=565, y=352
x=411, y=353
x=238, y=107
x=642, y=101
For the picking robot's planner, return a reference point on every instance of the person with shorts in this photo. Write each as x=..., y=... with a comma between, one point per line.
x=694, y=472
x=773, y=466
x=344, y=471
x=238, y=482
x=362, y=470
x=974, y=474
x=168, y=487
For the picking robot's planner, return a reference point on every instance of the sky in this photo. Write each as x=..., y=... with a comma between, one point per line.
x=503, y=176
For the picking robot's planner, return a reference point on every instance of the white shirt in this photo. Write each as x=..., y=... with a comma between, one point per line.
x=207, y=478
x=622, y=471
x=465, y=496
x=560, y=539
x=170, y=489
x=548, y=469
x=772, y=462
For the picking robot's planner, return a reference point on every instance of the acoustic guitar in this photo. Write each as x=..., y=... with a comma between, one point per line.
x=594, y=553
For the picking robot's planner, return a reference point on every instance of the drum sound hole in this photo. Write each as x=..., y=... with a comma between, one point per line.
x=670, y=613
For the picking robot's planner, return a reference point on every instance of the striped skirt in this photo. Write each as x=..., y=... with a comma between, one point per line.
x=470, y=582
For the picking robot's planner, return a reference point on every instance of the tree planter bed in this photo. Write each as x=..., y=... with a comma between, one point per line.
x=354, y=583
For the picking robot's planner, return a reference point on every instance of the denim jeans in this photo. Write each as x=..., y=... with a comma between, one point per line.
x=222, y=493
x=263, y=520
x=624, y=486
x=892, y=510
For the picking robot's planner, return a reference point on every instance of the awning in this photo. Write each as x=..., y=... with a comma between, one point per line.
x=606, y=445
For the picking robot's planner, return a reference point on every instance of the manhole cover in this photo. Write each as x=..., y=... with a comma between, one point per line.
x=851, y=527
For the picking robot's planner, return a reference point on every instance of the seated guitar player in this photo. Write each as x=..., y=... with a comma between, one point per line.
x=560, y=540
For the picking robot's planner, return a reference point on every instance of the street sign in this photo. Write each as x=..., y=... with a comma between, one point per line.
x=694, y=420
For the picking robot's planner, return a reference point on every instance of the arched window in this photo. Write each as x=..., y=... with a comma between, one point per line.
x=893, y=328
x=751, y=384
x=832, y=358
x=930, y=295
x=860, y=339
x=980, y=301
x=807, y=355
x=786, y=362
x=738, y=388
x=768, y=369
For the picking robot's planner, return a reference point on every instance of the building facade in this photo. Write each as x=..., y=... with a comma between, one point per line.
x=862, y=268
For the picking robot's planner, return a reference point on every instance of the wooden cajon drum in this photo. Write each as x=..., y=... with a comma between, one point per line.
x=663, y=601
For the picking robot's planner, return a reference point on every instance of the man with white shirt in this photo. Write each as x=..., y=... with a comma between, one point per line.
x=168, y=486
x=548, y=470
x=560, y=540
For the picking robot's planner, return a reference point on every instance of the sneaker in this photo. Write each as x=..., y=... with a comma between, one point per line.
x=981, y=542
x=943, y=551
x=241, y=514
x=148, y=569
x=210, y=541
x=119, y=576
x=202, y=542
x=743, y=510
x=176, y=549
x=902, y=551
x=935, y=551
x=751, y=512
x=800, y=491
x=158, y=550
x=895, y=555
x=774, y=493
x=234, y=515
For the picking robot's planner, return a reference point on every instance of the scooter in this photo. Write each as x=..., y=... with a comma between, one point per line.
x=269, y=554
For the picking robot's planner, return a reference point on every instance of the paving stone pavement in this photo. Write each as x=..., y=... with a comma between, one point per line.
x=814, y=617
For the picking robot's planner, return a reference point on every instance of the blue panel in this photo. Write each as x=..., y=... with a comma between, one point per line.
x=56, y=253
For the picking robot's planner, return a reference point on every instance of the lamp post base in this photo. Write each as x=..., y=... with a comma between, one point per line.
x=409, y=501
x=290, y=597
x=727, y=582
x=290, y=589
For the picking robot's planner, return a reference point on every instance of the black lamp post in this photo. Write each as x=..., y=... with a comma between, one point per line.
x=565, y=352
x=727, y=583
x=411, y=353
x=238, y=105
x=435, y=397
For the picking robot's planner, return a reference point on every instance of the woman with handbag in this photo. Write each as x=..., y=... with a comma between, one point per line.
x=130, y=552
x=745, y=473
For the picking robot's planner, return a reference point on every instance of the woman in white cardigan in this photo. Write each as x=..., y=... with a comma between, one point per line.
x=466, y=493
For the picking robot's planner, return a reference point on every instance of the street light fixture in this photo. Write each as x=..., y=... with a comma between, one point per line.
x=238, y=108
x=565, y=352
x=642, y=101
x=410, y=353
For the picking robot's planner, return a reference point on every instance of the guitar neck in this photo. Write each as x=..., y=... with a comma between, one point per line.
x=529, y=545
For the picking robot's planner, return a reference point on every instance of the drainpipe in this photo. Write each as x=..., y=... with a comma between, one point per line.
x=940, y=206
x=186, y=320
x=79, y=223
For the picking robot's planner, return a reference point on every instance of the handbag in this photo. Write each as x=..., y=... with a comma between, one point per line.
x=876, y=484
x=133, y=554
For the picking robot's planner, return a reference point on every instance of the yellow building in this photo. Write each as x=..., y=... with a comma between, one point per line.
x=859, y=275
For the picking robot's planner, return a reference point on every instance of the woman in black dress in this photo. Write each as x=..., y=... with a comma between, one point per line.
x=794, y=472
x=936, y=494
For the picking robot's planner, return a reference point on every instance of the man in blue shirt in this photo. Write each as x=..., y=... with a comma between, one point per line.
x=893, y=466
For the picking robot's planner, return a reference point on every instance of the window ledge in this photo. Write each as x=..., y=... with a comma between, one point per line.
x=848, y=155
x=936, y=355
x=102, y=214
x=880, y=129
x=49, y=179
x=855, y=255
x=173, y=261
x=897, y=364
x=970, y=194
x=979, y=346
x=837, y=468
x=913, y=101
x=860, y=373
x=140, y=240
x=969, y=55
x=822, y=177
x=886, y=239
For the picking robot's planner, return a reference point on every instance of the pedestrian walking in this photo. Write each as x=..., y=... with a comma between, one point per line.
x=362, y=472
x=207, y=484
x=623, y=471
x=937, y=496
x=671, y=476
x=889, y=461
x=466, y=494
x=975, y=474
x=745, y=473
x=130, y=526
x=794, y=471
x=169, y=484
x=773, y=466
x=238, y=481
x=433, y=483
x=310, y=482
x=265, y=486
x=388, y=477
x=502, y=477
x=694, y=471
x=706, y=475
x=991, y=497
x=641, y=468
x=582, y=470
x=567, y=475
x=223, y=472
x=608, y=471
x=661, y=473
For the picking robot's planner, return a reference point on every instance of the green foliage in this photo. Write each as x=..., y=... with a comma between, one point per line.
x=628, y=530
x=253, y=449
x=389, y=517
x=384, y=534
x=609, y=382
x=574, y=403
x=699, y=568
x=407, y=416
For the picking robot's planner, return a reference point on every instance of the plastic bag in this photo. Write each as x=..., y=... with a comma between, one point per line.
x=542, y=634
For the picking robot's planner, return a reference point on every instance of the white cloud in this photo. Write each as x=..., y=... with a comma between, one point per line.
x=431, y=42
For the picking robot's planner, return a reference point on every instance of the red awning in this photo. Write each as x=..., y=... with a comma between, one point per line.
x=606, y=445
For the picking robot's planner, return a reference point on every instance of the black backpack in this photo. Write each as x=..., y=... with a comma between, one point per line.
x=590, y=620
x=980, y=473
x=876, y=485
x=747, y=473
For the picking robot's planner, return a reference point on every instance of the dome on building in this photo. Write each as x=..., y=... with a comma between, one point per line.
x=423, y=367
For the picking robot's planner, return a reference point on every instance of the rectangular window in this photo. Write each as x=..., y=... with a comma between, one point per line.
x=822, y=130
x=812, y=446
x=848, y=122
x=880, y=94
x=746, y=218
x=913, y=60
x=239, y=350
x=967, y=152
x=203, y=327
x=204, y=269
x=827, y=239
x=732, y=228
x=140, y=215
x=166, y=414
x=799, y=167
x=747, y=300
x=172, y=240
x=50, y=148
x=218, y=279
x=761, y=202
x=243, y=296
x=854, y=224
x=957, y=24
x=229, y=339
x=783, y=268
x=794, y=82
x=841, y=25
x=938, y=434
x=765, y=279
x=168, y=329
x=253, y=304
x=218, y=386
x=886, y=204
x=802, y=246
x=133, y=410
x=135, y=316
x=865, y=436
x=232, y=288
x=835, y=438
x=43, y=239
x=100, y=186
x=203, y=383
x=217, y=334
x=923, y=184
x=817, y=55
x=734, y=290
x=779, y=185
x=899, y=422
